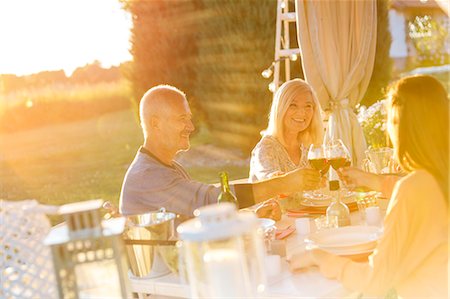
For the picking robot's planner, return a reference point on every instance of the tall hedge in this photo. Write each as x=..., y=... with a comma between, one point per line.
x=382, y=69
x=236, y=42
x=163, y=44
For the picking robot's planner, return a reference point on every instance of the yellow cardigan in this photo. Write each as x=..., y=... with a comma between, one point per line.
x=412, y=255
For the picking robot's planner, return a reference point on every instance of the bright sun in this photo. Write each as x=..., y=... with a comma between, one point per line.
x=61, y=34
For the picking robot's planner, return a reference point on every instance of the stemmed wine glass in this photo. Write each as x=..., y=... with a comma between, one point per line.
x=337, y=154
x=317, y=158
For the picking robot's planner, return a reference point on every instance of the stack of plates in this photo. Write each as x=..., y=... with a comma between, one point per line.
x=311, y=199
x=347, y=240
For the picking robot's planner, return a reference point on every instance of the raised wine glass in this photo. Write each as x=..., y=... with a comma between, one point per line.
x=337, y=154
x=317, y=158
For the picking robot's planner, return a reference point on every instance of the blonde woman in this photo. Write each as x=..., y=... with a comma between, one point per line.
x=411, y=258
x=295, y=123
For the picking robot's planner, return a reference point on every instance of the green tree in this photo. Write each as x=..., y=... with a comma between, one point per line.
x=429, y=38
x=94, y=73
x=235, y=44
x=163, y=44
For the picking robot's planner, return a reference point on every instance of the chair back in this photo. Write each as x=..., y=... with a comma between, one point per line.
x=26, y=265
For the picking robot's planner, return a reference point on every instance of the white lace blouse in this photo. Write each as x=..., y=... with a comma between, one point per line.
x=269, y=158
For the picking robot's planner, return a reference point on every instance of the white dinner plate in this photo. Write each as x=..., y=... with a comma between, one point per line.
x=347, y=251
x=313, y=199
x=358, y=238
x=350, y=251
x=325, y=202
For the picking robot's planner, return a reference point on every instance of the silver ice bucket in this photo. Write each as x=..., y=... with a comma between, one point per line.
x=151, y=249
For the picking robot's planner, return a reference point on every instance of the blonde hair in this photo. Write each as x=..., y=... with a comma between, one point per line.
x=281, y=101
x=153, y=101
x=423, y=119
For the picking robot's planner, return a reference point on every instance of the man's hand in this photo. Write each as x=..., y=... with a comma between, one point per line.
x=306, y=179
x=269, y=209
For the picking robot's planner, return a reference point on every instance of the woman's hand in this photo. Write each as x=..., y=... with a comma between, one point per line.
x=269, y=209
x=356, y=178
x=307, y=258
x=301, y=260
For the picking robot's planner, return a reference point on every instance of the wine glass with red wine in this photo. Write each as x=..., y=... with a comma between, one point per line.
x=317, y=158
x=337, y=154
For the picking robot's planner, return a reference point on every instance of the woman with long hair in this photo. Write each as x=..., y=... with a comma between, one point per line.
x=411, y=257
x=295, y=123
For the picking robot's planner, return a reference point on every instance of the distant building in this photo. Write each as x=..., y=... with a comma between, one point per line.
x=403, y=11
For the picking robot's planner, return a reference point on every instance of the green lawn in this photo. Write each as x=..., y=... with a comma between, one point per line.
x=79, y=161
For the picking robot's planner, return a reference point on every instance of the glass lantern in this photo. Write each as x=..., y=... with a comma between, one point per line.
x=223, y=252
x=88, y=253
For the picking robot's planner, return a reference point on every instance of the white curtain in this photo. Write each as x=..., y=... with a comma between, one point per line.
x=337, y=41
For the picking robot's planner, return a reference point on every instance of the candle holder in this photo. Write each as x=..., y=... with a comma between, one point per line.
x=224, y=253
x=88, y=253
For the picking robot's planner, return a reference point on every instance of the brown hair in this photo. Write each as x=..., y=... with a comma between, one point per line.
x=423, y=126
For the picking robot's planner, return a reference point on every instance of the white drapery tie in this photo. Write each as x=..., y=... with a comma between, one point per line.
x=339, y=104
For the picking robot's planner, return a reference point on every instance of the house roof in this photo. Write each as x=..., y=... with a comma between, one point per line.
x=406, y=4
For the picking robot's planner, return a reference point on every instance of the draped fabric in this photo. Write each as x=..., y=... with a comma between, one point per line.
x=337, y=41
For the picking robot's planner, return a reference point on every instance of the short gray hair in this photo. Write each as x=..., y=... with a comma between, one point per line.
x=155, y=95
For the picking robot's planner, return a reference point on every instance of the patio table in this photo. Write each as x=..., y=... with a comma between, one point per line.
x=307, y=283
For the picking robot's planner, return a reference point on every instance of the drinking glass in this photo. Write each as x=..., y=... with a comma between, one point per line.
x=380, y=160
x=326, y=221
x=317, y=158
x=337, y=154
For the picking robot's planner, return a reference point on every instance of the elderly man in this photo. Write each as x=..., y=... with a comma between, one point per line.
x=155, y=179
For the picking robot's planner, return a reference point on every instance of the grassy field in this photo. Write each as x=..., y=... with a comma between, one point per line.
x=80, y=160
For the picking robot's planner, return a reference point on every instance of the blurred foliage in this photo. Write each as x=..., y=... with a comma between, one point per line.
x=212, y=50
x=10, y=83
x=50, y=97
x=382, y=68
x=91, y=73
x=94, y=73
x=163, y=45
x=429, y=37
x=29, y=109
x=235, y=44
x=373, y=122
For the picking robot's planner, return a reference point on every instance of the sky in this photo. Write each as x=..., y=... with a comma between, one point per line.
x=38, y=35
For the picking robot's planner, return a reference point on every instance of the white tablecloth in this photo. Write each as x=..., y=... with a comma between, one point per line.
x=307, y=283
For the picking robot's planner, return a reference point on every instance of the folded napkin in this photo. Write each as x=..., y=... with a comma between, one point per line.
x=283, y=233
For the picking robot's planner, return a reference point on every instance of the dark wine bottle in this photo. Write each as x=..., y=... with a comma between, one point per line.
x=226, y=195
